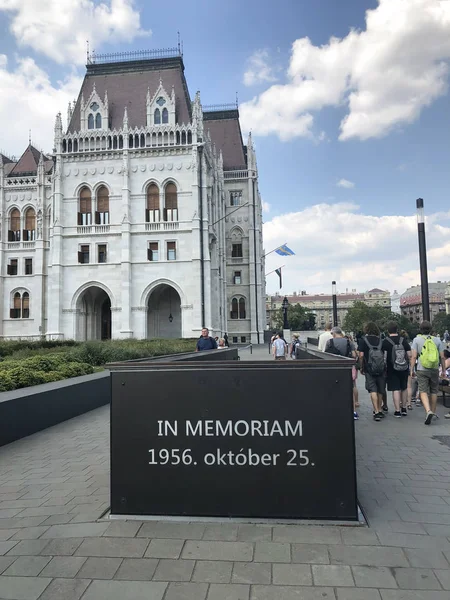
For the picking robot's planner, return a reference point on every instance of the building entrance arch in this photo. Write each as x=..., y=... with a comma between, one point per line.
x=164, y=312
x=93, y=309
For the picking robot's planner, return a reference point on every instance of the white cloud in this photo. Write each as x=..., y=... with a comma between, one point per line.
x=28, y=100
x=385, y=74
x=59, y=28
x=345, y=183
x=338, y=241
x=258, y=69
x=265, y=206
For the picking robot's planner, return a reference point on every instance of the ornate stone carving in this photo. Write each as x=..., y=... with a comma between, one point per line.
x=101, y=170
x=152, y=167
x=169, y=166
x=139, y=308
x=67, y=173
x=179, y=166
x=143, y=168
x=187, y=306
x=116, y=308
x=75, y=172
x=93, y=171
x=134, y=169
x=110, y=170
x=39, y=219
x=161, y=167
x=85, y=172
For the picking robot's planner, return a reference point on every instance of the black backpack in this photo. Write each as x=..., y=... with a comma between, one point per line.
x=399, y=357
x=375, y=364
x=331, y=349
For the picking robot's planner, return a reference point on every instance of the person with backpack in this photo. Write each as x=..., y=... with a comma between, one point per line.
x=398, y=354
x=373, y=367
x=295, y=345
x=339, y=344
x=428, y=351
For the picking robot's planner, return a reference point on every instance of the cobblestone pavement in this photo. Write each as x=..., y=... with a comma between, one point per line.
x=54, y=545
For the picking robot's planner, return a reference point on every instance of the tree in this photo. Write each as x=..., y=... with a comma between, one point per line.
x=360, y=314
x=299, y=318
x=441, y=322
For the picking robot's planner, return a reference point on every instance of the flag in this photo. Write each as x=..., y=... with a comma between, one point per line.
x=278, y=272
x=284, y=251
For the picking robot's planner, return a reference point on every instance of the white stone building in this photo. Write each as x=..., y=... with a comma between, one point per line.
x=146, y=222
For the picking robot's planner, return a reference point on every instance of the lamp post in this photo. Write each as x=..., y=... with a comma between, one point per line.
x=284, y=306
x=335, y=314
x=423, y=260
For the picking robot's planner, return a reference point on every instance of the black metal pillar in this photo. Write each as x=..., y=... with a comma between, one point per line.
x=423, y=260
x=335, y=314
x=285, y=313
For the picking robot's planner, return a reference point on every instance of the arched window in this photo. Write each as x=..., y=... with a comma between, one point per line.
x=29, y=233
x=157, y=117
x=91, y=121
x=102, y=214
x=165, y=115
x=98, y=121
x=152, y=210
x=14, y=227
x=241, y=308
x=234, y=308
x=170, y=203
x=20, y=306
x=25, y=305
x=85, y=213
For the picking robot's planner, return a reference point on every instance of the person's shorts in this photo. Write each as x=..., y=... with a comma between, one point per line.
x=428, y=381
x=397, y=381
x=375, y=384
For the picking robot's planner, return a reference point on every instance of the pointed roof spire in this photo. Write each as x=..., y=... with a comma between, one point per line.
x=250, y=140
x=41, y=160
x=125, y=118
x=105, y=101
x=148, y=95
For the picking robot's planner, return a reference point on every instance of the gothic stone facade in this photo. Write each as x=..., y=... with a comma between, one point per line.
x=146, y=221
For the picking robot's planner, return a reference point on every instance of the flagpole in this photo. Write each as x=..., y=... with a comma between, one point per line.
x=270, y=272
x=274, y=250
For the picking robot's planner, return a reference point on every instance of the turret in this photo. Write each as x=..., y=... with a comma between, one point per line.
x=58, y=132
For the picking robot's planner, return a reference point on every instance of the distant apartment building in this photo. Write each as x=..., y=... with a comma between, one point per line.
x=411, y=301
x=322, y=304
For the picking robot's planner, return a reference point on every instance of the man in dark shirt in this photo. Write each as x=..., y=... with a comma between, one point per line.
x=397, y=380
x=375, y=383
x=205, y=342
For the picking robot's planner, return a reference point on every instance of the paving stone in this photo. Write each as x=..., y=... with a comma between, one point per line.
x=6, y=534
x=412, y=595
x=273, y=552
x=27, y=547
x=228, y=592
x=444, y=578
x=416, y=579
x=22, y=588
x=5, y=562
x=123, y=529
x=334, y=575
x=30, y=533
x=406, y=540
x=252, y=572
x=291, y=592
x=359, y=537
x=310, y=554
x=65, y=589
x=307, y=534
x=372, y=556
x=174, y=570
x=234, y=551
x=6, y=547
x=254, y=533
x=61, y=547
x=113, y=547
x=137, y=569
x=357, y=594
x=99, y=568
x=426, y=557
x=125, y=590
x=292, y=574
x=374, y=577
x=164, y=548
x=178, y=531
x=221, y=532
x=63, y=566
x=27, y=566
x=57, y=520
x=403, y=527
x=76, y=530
x=186, y=591
x=212, y=571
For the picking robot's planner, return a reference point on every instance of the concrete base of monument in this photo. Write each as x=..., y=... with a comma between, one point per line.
x=361, y=522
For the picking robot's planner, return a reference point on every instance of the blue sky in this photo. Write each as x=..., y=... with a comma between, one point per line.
x=389, y=78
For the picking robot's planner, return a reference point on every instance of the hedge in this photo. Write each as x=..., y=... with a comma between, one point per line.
x=28, y=363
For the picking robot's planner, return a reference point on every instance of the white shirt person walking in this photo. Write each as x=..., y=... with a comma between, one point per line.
x=279, y=348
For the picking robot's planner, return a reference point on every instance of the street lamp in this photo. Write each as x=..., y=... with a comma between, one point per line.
x=284, y=306
x=423, y=260
x=335, y=314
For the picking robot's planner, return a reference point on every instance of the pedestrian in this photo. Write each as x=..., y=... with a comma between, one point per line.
x=225, y=337
x=373, y=367
x=446, y=336
x=205, y=342
x=342, y=346
x=398, y=357
x=428, y=351
x=294, y=346
x=221, y=344
x=355, y=370
x=279, y=348
x=324, y=337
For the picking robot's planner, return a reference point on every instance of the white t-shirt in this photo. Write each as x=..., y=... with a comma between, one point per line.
x=280, y=347
x=323, y=339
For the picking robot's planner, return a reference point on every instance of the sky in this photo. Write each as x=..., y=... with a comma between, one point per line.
x=347, y=102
